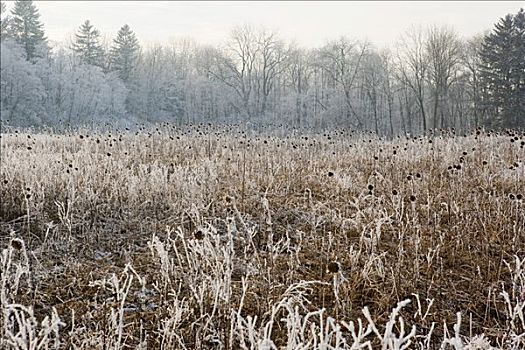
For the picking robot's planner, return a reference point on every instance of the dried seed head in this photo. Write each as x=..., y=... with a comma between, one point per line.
x=394, y=192
x=412, y=198
x=370, y=187
x=330, y=174
x=199, y=235
x=16, y=243
x=333, y=267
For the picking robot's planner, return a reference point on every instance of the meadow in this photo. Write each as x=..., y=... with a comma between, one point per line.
x=215, y=237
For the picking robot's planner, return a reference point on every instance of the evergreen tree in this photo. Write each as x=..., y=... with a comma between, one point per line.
x=4, y=21
x=519, y=68
x=502, y=70
x=87, y=45
x=124, y=53
x=27, y=30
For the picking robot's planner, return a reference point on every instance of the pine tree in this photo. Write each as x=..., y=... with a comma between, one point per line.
x=518, y=78
x=27, y=30
x=502, y=70
x=4, y=21
x=87, y=45
x=124, y=53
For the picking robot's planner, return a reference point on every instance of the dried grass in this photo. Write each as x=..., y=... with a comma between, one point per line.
x=215, y=237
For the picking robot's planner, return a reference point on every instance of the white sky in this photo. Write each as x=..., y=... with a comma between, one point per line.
x=309, y=23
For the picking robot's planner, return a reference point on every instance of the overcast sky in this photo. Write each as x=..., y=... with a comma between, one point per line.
x=310, y=23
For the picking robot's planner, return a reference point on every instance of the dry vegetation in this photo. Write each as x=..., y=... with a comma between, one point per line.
x=206, y=237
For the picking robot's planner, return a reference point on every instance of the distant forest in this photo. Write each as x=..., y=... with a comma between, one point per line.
x=430, y=79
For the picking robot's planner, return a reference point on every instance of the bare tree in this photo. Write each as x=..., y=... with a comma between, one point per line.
x=372, y=79
x=298, y=75
x=272, y=53
x=412, y=66
x=250, y=65
x=443, y=51
x=234, y=66
x=342, y=60
x=471, y=62
x=388, y=87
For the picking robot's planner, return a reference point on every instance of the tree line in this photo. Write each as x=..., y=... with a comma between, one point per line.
x=430, y=79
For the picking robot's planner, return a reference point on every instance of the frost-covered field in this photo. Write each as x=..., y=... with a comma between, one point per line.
x=214, y=238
